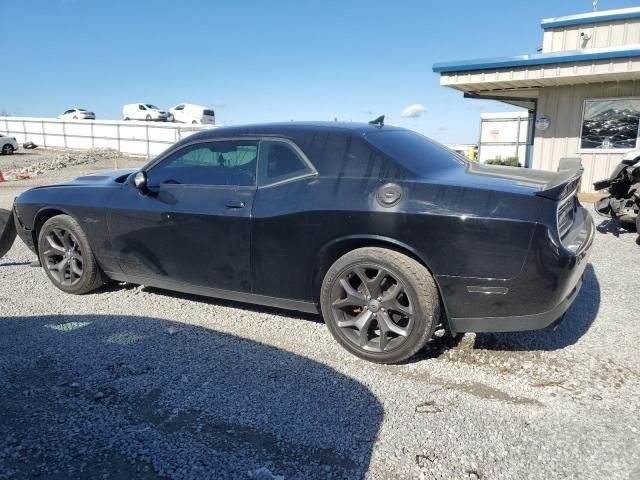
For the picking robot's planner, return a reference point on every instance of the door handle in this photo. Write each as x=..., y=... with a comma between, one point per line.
x=234, y=204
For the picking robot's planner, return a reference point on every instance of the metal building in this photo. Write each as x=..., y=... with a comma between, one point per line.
x=583, y=89
x=504, y=135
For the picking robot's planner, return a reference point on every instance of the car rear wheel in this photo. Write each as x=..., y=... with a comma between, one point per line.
x=7, y=149
x=148, y=118
x=66, y=256
x=379, y=304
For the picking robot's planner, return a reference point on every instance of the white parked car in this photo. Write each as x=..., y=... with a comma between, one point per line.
x=194, y=114
x=8, y=145
x=77, y=114
x=143, y=111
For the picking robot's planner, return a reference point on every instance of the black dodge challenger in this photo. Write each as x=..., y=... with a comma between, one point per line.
x=385, y=232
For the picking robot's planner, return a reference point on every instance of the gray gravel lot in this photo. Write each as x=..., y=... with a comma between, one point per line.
x=137, y=382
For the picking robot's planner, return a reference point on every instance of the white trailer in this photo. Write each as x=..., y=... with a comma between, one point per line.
x=504, y=135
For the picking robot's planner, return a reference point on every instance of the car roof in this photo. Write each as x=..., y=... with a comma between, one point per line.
x=290, y=128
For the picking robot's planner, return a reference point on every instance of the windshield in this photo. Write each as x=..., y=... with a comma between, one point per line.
x=151, y=107
x=413, y=151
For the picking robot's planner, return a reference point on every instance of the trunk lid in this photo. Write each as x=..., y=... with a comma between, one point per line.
x=552, y=185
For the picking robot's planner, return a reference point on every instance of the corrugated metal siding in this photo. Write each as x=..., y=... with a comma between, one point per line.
x=563, y=105
x=610, y=34
x=545, y=75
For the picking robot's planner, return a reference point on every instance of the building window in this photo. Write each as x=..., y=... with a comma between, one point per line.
x=610, y=124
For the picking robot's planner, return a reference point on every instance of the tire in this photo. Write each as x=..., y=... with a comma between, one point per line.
x=406, y=304
x=194, y=123
x=628, y=223
x=75, y=117
x=148, y=118
x=638, y=223
x=54, y=247
x=7, y=149
x=7, y=231
x=126, y=119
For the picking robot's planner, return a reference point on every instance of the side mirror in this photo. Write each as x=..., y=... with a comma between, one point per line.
x=140, y=182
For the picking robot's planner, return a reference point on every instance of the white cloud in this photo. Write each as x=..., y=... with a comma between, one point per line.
x=413, y=111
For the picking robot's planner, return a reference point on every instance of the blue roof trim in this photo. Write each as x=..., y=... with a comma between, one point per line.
x=538, y=59
x=593, y=17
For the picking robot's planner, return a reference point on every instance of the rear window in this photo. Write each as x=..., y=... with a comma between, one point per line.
x=209, y=113
x=413, y=151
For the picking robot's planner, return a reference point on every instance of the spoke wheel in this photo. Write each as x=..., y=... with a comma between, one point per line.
x=380, y=304
x=63, y=257
x=66, y=256
x=372, y=309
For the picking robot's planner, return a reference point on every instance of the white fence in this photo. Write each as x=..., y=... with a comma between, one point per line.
x=130, y=137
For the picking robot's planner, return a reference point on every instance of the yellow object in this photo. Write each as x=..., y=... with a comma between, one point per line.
x=472, y=153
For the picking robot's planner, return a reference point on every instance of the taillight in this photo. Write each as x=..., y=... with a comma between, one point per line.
x=566, y=214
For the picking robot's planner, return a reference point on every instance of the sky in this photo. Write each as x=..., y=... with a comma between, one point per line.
x=265, y=61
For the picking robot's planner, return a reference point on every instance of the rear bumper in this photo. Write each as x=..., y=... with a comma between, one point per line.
x=545, y=289
x=518, y=323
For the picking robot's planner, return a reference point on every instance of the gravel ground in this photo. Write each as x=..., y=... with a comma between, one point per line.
x=137, y=382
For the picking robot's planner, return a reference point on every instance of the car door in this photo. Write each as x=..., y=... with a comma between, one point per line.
x=178, y=113
x=193, y=226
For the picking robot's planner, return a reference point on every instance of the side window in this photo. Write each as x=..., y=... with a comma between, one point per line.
x=228, y=162
x=279, y=161
x=141, y=107
x=179, y=107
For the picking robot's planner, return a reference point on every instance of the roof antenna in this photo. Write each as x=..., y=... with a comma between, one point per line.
x=378, y=122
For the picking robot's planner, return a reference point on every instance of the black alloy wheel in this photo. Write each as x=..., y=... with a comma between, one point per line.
x=380, y=304
x=66, y=256
x=7, y=149
x=371, y=307
x=63, y=257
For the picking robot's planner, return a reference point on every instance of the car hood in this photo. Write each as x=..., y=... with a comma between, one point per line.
x=506, y=179
x=97, y=179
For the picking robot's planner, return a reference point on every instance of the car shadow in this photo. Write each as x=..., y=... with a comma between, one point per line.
x=141, y=397
x=14, y=264
x=575, y=324
x=22, y=152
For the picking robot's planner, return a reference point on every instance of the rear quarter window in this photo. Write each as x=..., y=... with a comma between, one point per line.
x=343, y=154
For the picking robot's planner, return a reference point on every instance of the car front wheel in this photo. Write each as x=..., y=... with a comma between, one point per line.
x=379, y=304
x=66, y=256
x=7, y=149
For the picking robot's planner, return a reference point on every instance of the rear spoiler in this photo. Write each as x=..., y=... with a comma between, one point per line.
x=566, y=182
